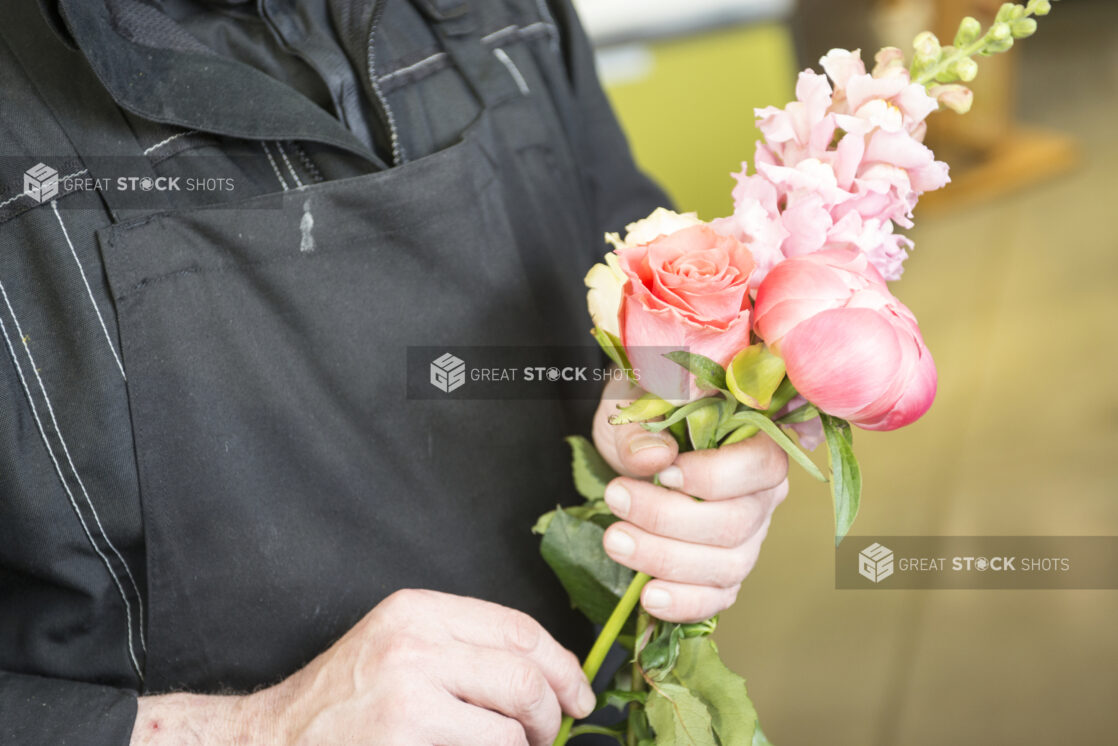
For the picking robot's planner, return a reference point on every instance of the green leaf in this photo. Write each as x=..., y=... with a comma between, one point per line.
x=620, y=698
x=591, y=472
x=680, y=414
x=754, y=375
x=702, y=424
x=846, y=475
x=592, y=510
x=703, y=673
x=679, y=717
x=594, y=582
x=613, y=348
x=709, y=375
x=659, y=656
x=648, y=407
x=782, y=440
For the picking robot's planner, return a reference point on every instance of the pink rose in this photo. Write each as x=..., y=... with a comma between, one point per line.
x=685, y=291
x=850, y=347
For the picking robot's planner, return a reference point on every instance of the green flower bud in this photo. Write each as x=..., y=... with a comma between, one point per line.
x=1001, y=32
x=927, y=48
x=1024, y=28
x=1004, y=12
x=1017, y=13
x=969, y=30
x=996, y=47
x=965, y=69
x=1040, y=7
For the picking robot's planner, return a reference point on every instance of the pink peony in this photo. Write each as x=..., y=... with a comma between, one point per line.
x=850, y=347
x=688, y=290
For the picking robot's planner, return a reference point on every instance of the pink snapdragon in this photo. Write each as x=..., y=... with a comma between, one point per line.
x=840, y=167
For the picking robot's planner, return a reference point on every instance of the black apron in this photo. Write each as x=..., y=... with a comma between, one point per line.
x=287, y=483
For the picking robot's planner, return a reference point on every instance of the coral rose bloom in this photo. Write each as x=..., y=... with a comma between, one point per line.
x=850, y=347
x=686, y=291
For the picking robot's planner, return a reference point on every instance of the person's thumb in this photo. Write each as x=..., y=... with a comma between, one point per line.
x=631, y=450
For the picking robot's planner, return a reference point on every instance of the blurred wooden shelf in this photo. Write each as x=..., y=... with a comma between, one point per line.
x=1019, y=160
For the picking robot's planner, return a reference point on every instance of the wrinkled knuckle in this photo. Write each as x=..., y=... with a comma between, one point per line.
x=527, y=687
x=521, y=631
x=401, y=603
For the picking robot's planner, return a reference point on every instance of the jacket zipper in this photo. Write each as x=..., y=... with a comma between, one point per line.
x=398, y=156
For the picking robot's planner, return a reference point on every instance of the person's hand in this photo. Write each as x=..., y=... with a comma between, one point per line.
x=422, y=668
x=698, y=552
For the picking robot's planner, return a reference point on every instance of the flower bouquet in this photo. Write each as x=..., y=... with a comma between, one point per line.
x=778, y=317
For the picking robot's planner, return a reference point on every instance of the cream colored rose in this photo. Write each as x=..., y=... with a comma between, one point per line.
x=606, y=283
x=660, y=223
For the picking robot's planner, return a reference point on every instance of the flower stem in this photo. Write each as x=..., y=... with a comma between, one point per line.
x=638, y=682
x=605, y=641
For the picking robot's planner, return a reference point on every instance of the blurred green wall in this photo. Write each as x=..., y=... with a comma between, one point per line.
x=690, y=121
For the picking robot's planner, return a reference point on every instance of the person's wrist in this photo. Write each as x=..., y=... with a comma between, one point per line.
x=209, y=720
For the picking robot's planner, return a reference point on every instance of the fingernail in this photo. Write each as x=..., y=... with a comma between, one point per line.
x=656, y=599
x=620, y=543
x=671, y=477
x=642, y=442
x=586, y=701
x=618, y=500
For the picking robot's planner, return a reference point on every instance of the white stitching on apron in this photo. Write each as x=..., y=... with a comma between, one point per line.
x=88, y=290
x=275, y=168
x=283, y=153
x=170, y=139
x=65, y=484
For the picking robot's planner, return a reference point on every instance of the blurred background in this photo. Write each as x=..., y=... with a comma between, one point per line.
x=1013, y=279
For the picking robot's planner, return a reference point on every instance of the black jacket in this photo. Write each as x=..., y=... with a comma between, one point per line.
x=181, y=388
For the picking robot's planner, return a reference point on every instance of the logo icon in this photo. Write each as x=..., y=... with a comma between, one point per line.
x=448, y=373
x=875, y=562
x=40, y=182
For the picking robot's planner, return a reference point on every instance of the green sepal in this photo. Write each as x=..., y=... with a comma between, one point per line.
x=680, y=414
x=799, y=414
x=648, y=407
x=702, y=425
x=846, y=475
x=754, y=375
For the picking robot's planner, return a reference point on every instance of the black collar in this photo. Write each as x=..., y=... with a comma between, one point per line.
x=153, y=73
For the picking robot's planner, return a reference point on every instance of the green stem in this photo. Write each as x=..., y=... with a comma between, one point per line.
x=605, y=641
x=929, y=75
x=638, y=682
